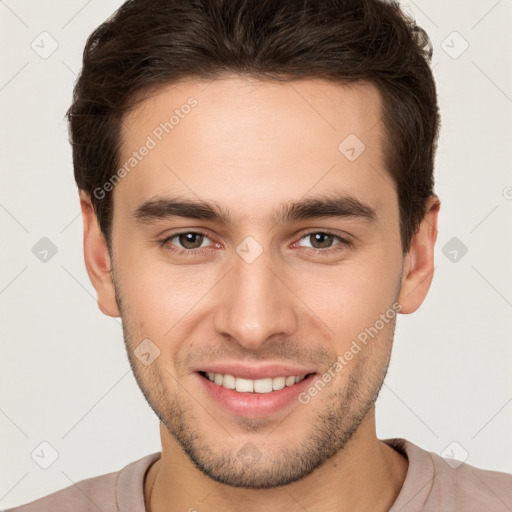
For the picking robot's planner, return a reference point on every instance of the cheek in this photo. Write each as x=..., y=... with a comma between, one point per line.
x=164, y=299
x=163, y=302
x=351, y=297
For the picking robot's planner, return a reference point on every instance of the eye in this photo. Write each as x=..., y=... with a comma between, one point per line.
x=322, y=241
x=187, y=242
x=190, y=243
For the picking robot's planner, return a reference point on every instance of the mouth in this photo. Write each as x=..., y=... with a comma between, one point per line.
x=242, y=385
x=254, y=398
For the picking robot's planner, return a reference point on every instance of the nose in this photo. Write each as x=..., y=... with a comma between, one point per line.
x=256, y=303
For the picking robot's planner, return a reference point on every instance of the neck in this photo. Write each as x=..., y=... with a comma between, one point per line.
x=365, y=475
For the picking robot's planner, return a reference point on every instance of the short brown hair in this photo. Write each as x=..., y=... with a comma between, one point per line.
x=148, y=43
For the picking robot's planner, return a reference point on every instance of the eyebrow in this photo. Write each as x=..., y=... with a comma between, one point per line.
x=331, y=205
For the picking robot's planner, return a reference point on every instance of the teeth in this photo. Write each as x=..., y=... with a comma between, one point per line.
x=290, y=381
x=263, y=385
x=229, y=382
x=278, y=383
x=253, y=386
x=244, y=385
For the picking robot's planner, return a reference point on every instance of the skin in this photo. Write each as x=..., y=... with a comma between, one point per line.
x=250, y=146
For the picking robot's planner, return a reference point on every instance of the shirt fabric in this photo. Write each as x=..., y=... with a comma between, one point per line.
x=431, y=485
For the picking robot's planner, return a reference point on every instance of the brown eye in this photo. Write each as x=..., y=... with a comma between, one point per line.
x=324, y=243
x=321, y=240
x=190, y=240
x=186, y=242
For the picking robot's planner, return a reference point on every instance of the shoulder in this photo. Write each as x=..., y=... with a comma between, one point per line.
x=434, y=483
x=478, y=489
x=105, y=492
x=92, y=494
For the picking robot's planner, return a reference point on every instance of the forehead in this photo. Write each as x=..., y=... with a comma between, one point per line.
x=252, y=142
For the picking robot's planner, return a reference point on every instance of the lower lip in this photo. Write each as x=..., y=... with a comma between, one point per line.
x=255, y=405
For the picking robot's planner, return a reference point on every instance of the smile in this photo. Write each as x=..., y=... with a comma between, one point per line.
x=266, y=385
x=254, y=398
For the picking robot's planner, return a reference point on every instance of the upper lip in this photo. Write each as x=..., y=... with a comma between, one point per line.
x=254, y=372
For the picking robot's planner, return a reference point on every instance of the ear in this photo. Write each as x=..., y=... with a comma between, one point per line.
x=97, y=259
x=419, y=262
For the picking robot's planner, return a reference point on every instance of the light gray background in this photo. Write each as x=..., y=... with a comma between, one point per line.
x=65, y=377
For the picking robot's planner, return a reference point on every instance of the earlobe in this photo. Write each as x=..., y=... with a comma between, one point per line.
x=418, y=269
x=97, y=259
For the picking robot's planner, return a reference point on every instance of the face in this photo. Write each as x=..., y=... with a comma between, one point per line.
x=255, y=246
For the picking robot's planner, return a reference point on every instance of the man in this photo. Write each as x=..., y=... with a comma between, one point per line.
x=256, y=184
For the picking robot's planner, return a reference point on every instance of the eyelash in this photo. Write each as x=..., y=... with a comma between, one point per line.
x=165, y=243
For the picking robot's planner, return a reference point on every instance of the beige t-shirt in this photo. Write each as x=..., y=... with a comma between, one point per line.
x=431, y=485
